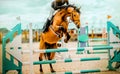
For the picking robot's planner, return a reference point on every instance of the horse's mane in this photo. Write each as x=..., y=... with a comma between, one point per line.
x=77, y=9
x=48, y=22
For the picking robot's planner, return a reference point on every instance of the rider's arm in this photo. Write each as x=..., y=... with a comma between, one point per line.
x=67, y=2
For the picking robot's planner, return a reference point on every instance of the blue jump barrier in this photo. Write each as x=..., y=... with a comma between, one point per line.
x=83, y=41
x=115, y=30
x=9, y=64
x=83, y=37
x=6, y=63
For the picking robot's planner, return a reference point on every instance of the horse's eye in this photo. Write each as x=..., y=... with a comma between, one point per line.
x=74, y=15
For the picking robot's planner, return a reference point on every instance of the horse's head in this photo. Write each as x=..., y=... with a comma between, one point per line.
x=74, y=15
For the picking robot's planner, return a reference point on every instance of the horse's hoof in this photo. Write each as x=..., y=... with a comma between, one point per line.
x=58, y=44
x=65, y=40
x=41, y=70
x=53, y=71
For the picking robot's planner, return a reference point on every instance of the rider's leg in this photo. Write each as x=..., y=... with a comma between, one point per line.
x=51, y=13
x=48, y=21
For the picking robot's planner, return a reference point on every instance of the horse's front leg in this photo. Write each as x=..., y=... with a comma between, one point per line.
x=40, y=59
x=63, y=27
x=51, y=57
x=67, y=37
x=64, y=30
x=42, y=46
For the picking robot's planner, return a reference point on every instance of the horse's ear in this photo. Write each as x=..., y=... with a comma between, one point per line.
x=79, y=8
x=70, y=9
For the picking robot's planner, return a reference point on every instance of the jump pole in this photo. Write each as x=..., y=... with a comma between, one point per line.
x=66, y=60
x=13, y=52
x=30, y=48
x=63, y=50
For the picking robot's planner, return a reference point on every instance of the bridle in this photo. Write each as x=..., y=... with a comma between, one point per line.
x=73, y=18
x=72, y=15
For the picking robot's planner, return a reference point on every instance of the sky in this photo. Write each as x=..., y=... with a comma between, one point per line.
x=93, y=12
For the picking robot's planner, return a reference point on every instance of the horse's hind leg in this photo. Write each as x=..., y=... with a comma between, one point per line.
x=52, y=55
x=51, y=68
x=50, y=58
x=42, y=46
x=40, y=59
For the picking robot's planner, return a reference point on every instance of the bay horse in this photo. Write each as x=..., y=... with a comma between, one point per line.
x=56, y=30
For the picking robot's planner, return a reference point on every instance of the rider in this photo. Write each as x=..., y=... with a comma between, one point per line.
x=56, y=4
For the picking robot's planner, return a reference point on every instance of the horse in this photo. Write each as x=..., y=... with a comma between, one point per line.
x=56, y=30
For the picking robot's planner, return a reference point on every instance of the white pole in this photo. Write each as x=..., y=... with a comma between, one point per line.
x=30, y=48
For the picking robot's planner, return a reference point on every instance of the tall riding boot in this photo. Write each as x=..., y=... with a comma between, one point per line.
x=46, y=25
